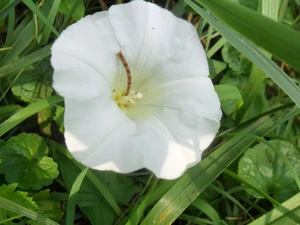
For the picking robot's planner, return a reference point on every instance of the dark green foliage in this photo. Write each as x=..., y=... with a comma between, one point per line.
x=37, y=174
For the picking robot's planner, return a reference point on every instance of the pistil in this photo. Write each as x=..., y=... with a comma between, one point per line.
x=130, y=95
x=128, y=73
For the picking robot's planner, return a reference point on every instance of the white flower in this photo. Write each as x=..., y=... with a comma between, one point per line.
x=171, y=112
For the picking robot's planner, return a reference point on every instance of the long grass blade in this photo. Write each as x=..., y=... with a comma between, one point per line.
x=14, y=207
x=254, y=54
x=27, y=112
x=280, y=40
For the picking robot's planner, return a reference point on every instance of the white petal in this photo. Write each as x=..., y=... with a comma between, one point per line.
x=193, y=95
x=91, y=41
x=74, y=79
x=161, y=153
x=192, y=132
x=167, y=130
x=189, y=62
x=153, y=41
x=190, y=109
x=101, y=136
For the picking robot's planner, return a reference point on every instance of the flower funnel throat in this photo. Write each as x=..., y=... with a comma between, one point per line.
x=126, y=100
x=130, y=96
x=136, y=89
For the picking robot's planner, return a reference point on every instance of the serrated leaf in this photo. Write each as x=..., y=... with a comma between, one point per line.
x=32, y=81
x=20, y=197
x=236, y=61
x=21, y=210
x=264, y=168
x=25, y=162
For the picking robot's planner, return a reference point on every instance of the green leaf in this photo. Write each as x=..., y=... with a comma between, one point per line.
x=236, y=61
x=25, y=161
x=251, y=4
x=215, y=67
x=51, y=18
x=205, y=207
x=9, y=110
x=253, y=53
x=264, y=168
x=72, y=200
x=3, y=4
x=197, y=179
x=25, y=61
x=5, y=11
x=22, y=41
x=281, y=40
x=30, y=83
x=33, y=84
x=59, y=118
x=48, y=208
x=27, y=112
x=253, y=95
x=20, y=197
x=287, y=213
x=237, y=80
x=89, y=199
x=31, y=5
x=228, y=92
x=21, y=210
x=66, y=6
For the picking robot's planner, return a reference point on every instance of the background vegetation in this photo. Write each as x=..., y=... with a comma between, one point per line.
x=250, y=174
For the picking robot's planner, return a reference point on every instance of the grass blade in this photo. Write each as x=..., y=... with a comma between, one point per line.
x=287, y=213
x=30, y=4
x=196, y=180
x=70, y=212
x=254, y=54
x=4, y=12
x=90, y=175
x=205, y=207
x=51, y=18
x=280, y=40
x=25, y=61
x=14, y=207
x=27, y=112
x=24, y=39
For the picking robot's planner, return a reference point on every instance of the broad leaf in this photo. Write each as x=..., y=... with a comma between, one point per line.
x=236, y=61
x=264, y=168
x=25, y=161
x=32, y=82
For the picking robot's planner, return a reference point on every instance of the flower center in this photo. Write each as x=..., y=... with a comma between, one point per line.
x=130, y=96
x=126, y=100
